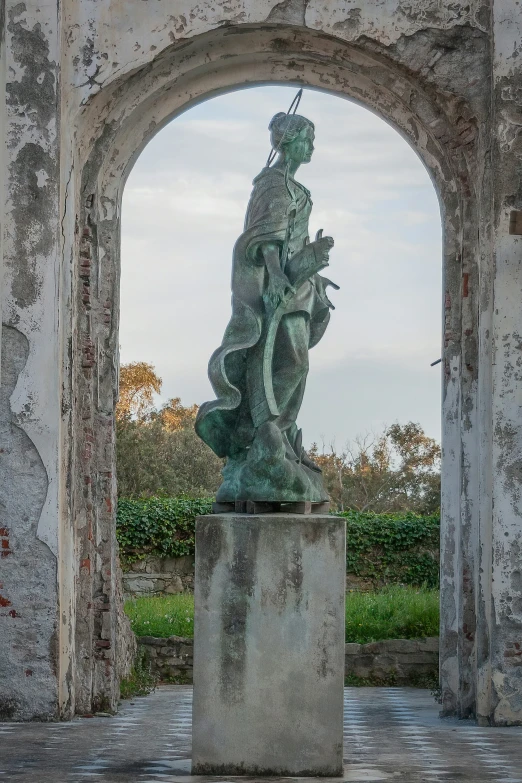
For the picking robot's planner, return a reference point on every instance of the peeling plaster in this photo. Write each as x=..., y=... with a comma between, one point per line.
x=388, y=20
x=29, y=633
x=289, y=11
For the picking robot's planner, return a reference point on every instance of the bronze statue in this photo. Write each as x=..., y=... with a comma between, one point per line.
x=279, y=311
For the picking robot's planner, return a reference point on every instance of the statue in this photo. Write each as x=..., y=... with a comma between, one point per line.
x=279, y=311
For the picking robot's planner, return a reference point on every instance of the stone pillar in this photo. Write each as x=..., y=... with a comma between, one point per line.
x=499, y=613
x=269, y=645
x=35, y=624
x=3, y=64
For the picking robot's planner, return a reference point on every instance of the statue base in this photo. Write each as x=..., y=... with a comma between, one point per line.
x=269, y=645
x=270, y=472
x=269, y=507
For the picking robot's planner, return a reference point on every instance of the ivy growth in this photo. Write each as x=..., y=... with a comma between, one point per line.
x=159, y=527
x=384, y=548
x=380, y=548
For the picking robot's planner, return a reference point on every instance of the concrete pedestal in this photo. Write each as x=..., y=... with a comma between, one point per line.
x=269, y=645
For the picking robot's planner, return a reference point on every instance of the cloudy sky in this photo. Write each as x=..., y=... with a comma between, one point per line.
x=184, y=206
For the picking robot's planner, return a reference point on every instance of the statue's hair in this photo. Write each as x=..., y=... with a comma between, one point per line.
x=284, y=128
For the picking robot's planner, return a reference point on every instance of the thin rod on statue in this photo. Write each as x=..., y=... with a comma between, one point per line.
x=294, y=105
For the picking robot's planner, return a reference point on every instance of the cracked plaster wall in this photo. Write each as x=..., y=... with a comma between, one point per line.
x=3, y=66
x=506, y=459
x=29, y=451
x=88, y=85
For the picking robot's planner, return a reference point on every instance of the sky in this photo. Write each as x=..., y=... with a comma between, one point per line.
x=183, y=208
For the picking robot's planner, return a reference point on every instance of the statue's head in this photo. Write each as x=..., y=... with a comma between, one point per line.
x=292, y=136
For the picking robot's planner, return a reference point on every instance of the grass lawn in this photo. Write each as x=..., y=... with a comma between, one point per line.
x=396, y=612
x=163, y=615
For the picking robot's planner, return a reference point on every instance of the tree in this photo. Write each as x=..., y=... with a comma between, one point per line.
x=418, y=466
x=151, y=460
x=138, y=383
x=157, y=450
x=397, y=470
x=176, y=417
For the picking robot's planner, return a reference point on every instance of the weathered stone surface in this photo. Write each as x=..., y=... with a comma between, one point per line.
x=170, y=565
x=156, y=575
x=136, y=584
x=269, y=631
x=182, y=566
x=151, y=640
x=174, y=586
x=169, y=659
x=178, y=574
x=125, y=639
x=28, y=599
x=404, y=661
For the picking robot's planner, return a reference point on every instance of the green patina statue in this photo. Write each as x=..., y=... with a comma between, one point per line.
x=279, y=311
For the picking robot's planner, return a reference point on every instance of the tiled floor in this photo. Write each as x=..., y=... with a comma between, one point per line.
x=391, y=734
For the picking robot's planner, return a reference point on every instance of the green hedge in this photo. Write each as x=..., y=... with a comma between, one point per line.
x=163, y=527
x=382, y=548
x=393, y=547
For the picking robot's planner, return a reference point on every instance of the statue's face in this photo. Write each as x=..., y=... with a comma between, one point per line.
x=300, y=149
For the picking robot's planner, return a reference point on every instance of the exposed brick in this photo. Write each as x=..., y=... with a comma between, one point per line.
x=465, y=285
x=85, y=564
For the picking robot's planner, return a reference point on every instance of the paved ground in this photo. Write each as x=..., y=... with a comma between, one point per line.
x=391, y=734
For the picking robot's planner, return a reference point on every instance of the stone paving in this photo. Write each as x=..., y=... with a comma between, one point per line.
x=391, y=734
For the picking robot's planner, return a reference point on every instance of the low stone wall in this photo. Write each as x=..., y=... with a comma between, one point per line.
x=170, y=659
x=170, y=575
x=159, y=576
x=401, y=661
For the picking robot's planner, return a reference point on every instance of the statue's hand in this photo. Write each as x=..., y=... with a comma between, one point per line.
x=322, y=247
x=278, y=285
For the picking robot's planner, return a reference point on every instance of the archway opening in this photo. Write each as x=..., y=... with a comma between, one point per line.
x=183, y=208
x=114, y=129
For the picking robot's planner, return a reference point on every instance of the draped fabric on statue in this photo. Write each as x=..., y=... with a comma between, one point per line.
x=225, y=423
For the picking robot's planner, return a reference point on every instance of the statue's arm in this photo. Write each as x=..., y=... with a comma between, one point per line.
x=313, y=257
x=278, y=283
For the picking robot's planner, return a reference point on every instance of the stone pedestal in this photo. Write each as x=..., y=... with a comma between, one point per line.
x=269, y=645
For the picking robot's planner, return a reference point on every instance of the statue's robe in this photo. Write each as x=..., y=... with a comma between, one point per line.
x=225, y=424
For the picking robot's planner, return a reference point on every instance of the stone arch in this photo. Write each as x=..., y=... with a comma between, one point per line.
x=112, y=128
